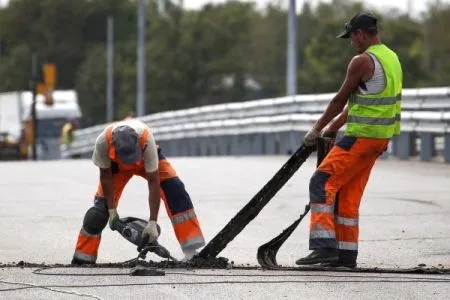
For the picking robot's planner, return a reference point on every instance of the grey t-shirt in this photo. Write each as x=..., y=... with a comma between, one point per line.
x=100, y=157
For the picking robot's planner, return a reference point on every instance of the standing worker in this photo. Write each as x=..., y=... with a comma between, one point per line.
x=372, y=87
x=66, y=138
x=124, y=149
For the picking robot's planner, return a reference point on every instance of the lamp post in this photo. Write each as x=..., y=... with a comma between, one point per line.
x=140, y=100
x=291, y=82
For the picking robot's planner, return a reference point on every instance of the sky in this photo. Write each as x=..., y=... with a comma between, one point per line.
x=417, y=6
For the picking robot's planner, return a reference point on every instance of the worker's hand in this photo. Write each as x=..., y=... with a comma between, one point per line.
x=311, y=137
x=329, y=134
x=113, y=217
x=150, y=232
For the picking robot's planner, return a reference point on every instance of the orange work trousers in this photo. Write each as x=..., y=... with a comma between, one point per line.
x=336, y=189
x=177, y=202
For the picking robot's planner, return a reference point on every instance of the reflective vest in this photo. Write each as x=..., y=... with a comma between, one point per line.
x=143, y=140
x=67, y=138
x=378, y=115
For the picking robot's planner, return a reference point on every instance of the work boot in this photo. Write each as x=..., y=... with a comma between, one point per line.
x=326, y=255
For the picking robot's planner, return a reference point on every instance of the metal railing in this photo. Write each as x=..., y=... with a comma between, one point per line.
x=425, y=112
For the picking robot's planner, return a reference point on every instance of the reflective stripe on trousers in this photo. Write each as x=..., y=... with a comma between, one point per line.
x=179, y=207
x=87, y=246
x=347, y=231
x=322, y=233
x=346, y=169
x=182, y=214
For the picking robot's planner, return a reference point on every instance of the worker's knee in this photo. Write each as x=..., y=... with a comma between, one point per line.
x=96, y=217
x=317, y=187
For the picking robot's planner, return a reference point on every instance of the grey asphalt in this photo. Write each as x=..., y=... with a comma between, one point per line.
x=404, y=222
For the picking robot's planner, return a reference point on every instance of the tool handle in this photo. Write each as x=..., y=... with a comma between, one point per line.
x=324, y=145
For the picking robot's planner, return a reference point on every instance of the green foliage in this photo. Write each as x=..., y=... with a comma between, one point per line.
x=208, y=56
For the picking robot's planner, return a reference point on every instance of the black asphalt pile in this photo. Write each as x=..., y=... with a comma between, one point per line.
x=223, y=263
x=195, y=263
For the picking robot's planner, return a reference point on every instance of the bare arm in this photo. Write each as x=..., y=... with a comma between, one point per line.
x=337, y=123
x=151, y=170
x=106, y=180
x=358, y=69
x=153, y=196
x=100, y=158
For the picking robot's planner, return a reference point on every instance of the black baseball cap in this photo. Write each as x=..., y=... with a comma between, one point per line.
x=126, y=142
x=360, y=20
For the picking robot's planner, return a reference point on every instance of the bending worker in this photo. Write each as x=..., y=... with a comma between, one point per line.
x=373, y=87
x=122, y=150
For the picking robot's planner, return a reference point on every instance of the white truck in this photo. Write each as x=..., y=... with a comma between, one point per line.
x=16, y=126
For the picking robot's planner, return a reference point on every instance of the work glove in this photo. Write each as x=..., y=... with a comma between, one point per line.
x=113, y=217
x=324, y=144
x=150, y=232
x=329, y=134
x=329, y=137
x=311, y=137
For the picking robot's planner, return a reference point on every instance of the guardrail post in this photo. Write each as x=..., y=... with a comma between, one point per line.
x=194, y=147
x=277, y=143
x=427, y=148
x=401, y=145
x=211, y=145
x=270, y=143
x=223, y=145
x=228, y=144
x=173, y=147
x=234, y=145
x=197, y=146
x=289, y=142
x=413, y=144
x=256, y=147
x=201, y=146
x=180, y=150
x=217, y=149
x=241, y=144
x=237, y=146
x=188, y=150
x=447, y=147
x=248, y=144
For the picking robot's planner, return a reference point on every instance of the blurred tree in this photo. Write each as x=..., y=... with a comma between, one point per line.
x=268, y=40
x=405, y=35
x=51, y=28
x=326, y=58
x=14, y=69
x=221, y=53
x=91, y=86
x=437, y=43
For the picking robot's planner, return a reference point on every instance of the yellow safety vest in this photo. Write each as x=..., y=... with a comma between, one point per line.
x=378, y=115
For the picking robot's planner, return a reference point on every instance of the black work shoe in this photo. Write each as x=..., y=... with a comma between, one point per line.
x=319, y=256
x=79, y=262
x=340, y=263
